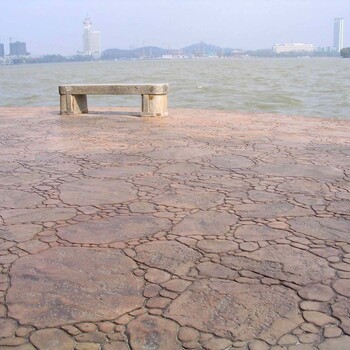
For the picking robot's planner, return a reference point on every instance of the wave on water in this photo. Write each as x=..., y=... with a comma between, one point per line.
x=315, y=87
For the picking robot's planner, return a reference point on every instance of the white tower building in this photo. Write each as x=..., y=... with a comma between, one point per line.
x=91, y=40
x=338, y=39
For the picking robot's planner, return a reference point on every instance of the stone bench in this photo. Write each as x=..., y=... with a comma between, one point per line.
x=73, y=98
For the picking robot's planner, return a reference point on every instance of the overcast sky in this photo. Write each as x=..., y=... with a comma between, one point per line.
x=55, y=26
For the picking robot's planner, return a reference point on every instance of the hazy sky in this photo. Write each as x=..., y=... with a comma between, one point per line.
x=55, y=26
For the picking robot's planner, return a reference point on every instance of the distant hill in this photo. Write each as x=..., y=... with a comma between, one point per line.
x=201, y=49
x=198, y=50
x=141, y=52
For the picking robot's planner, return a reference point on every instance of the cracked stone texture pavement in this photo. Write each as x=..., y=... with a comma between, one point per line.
x=205, y=230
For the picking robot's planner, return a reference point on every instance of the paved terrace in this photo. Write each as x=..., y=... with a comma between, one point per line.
x=204, y=230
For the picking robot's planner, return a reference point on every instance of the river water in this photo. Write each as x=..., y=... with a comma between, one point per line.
x=296, y=86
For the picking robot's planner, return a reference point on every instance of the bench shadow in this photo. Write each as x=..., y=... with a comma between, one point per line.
x=124, y=113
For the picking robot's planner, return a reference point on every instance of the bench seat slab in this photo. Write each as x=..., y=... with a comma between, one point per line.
x=114, y=89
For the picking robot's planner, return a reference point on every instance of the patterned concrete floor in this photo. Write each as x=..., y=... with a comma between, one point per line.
x=205, y=230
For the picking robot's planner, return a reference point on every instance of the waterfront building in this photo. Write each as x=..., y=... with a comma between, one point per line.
x=295, y=47
x=91, y=40
x=2, y=50
x=338, y=34
x=18, y=49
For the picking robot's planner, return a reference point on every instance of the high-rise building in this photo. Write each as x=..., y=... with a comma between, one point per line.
x=87, y=36
x=18, y=49
x=2, y=50
x=338, y=38
x=91, y=40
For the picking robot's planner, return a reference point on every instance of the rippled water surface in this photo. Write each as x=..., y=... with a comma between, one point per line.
x=311, y=87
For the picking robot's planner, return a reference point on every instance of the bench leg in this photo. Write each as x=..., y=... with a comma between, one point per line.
x=79, y=104
x=73, y=104
x=154, y=106
x=63, y=104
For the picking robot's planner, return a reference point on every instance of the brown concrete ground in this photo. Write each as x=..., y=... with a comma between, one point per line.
x=205, y=230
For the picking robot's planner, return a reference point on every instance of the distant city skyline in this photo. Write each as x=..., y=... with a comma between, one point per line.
x=245, y=24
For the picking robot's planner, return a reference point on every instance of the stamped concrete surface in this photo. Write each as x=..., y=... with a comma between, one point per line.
x=205, y=230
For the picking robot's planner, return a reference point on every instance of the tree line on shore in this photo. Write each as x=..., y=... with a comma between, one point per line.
x=196, y=50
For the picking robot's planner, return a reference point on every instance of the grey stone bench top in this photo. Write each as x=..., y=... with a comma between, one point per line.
x=114, y=89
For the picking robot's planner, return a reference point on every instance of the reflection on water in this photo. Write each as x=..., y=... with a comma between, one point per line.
x=311, y=87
